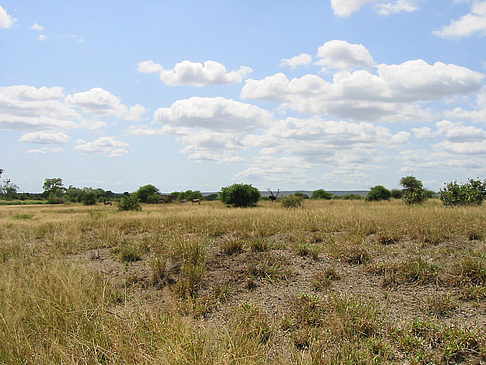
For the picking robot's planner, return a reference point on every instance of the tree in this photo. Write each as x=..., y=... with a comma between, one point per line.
x=396, y=194
x=53, y=186
x=471, y=193
x=321, y=194
x=240, y=195
x=292, y=201
x=129, y=202
x=301, y=195
x=148, y=194
x=8, y=189
x=378, y=192
x=413, y=190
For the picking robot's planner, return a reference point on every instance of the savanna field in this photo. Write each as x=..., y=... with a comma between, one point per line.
x=333, y=282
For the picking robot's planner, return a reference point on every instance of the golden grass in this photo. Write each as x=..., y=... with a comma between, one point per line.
x=57, y=306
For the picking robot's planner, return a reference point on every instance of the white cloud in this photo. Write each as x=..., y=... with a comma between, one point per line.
x=37, y=27
x=342, y=55
x=392, y=94
x=108, y=146
x=6, y=21
x=396, y=6
x=457, y=133
x=44, y=150
x=303, y=59
x=423, y=133
x=27, y=107
x=209, y=128
x=347, y=7
x=45, y=137
x=189, y=73
x=98, y=101
x=42, y=37
x=217, y=114
x=467, y=25
x=149, y=67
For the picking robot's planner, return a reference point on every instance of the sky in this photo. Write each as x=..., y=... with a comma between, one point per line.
x=331, y=94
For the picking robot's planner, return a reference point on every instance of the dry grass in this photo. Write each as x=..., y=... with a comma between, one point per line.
x=334, y=282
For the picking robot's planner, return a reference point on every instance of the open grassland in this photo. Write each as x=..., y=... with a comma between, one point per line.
x=334, y=282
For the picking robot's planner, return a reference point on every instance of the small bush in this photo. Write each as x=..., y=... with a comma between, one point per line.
x=377, y=193
x=88, y=197
x=396, y=194
x=321, y=194
x=471, y=193
x=292, y=201
x=240, y=195
x=129, y=202
x=413, y=190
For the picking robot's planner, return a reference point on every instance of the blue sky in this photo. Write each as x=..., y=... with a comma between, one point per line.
x=333, y=94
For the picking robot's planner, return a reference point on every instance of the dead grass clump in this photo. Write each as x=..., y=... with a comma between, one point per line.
x=413, y=271
x=268, y=267
x=307, y=249
x=231, y=246
x=323, y=280
x=385, y=238
x=470, y=271
x=442, y=304
x=259, y=245
x=355, y=255
x=130, y=251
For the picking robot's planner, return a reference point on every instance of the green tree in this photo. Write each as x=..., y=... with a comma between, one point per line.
x=88, y=196
x=378, y=192
x=396, y=194
x=240, y=195
x=129, y=202
x=471, y=193
x=53, y=186
x=301, y=195
x=413, y=190
x=292, y=201
x=321, y=194
x=148, y=194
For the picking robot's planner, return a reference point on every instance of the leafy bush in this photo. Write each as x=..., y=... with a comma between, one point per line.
x=148, y=194
x=292, y=201
x=301, y=194
x=88, y=197
x=129, y=202
x=396, y=194
x=413, y=190
x=321, y=194
x=378, y=192
x=471, y=193
x=240, y=195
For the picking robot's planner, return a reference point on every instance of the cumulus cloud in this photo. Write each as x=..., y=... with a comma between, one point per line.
x=423, y=133
x=392, y=93
x=108, y=146
x=37, y=27
x=27, y=107
x=187, y=73
x=303, y=59
x=347, y=7
x=342, y=55
x=42, y=37
x=6, y=21
x=467, y=25
x=209, y=128
x=217, y=114
x=45, y=137
x=304, y=145
x=395, y=7
x=100, y=102
x=43, y=150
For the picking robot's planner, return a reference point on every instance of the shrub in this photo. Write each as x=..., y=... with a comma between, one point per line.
x=88, y=197
x=301, y=194
x=396, y=194
x=321, y=194
x=471, y=193
x=240, y=195
x=378, y=192
x=292, y=201
x=129, y=202
x=413, y=190
x=148, y=194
